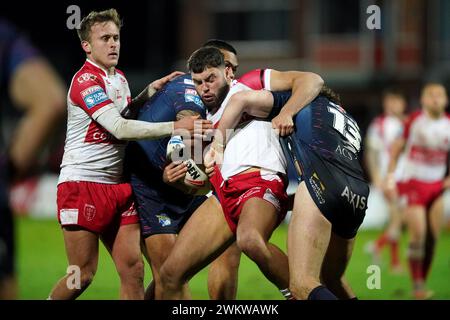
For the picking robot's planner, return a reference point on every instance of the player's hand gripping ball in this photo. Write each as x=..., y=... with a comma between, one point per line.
x=195, y=177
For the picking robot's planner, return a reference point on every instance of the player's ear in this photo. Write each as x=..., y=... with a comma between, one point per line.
x=86, y=46
x=229, y=75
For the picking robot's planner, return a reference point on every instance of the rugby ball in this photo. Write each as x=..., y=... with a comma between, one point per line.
x=175, y=149
x=195, y=177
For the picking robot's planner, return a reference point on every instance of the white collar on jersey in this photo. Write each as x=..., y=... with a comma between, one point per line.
x=97, y=66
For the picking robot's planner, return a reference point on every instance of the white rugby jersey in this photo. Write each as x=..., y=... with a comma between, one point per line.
x=256, y=144
x=381, y=134
x=427, y=147
x=91, y=153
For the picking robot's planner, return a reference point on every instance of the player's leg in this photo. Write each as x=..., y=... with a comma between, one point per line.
x=393, y=232
x=82, y=252
x=416, y=222
x=158, y=248
x=125, y=250
x=333, y=268
x=257, y=221
x=308, y=238
x=434, y=222
x=223, y=274
x=203, y=238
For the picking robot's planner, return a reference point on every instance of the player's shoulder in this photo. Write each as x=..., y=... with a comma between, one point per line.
x=255, y=79
x=87, y=76
x=181, y=82
x=88, y=73
x=447, y=116
x=378, y=120
x=120, y=72
x=414, y=116
x=182, y=87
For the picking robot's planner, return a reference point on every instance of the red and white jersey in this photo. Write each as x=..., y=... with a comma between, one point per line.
x=255, y=144
x=91, y=153
x=427, y=147
x=381, y=134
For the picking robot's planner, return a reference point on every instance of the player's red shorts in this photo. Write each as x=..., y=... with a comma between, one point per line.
x=97, y=207
x=234, y=192
x=420, y=193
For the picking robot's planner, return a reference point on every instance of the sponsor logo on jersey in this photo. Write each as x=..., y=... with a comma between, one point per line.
x=345, y=151
x=357, y=201
x=93, y=96
x=98, y=134
x=190, y=95
x=188, y=81
x=86, y=77
x=318, y=187
x=164, y=220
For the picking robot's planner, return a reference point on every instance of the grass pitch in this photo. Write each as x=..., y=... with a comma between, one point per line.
x=42, y=261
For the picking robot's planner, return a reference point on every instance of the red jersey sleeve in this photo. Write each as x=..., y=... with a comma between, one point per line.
x=254, y=79
x=89, y=93
x=408, y=122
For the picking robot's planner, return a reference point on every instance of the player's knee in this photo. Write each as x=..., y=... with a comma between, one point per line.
x=417, y=236
x=132, y=268
x=416, y=250
x=169, y=277
x=230, y=260
x=253, y=245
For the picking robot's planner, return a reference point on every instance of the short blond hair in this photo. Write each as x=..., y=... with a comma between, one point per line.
x=94, y=17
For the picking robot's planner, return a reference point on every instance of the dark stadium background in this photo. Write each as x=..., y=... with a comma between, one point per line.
x=328, y=37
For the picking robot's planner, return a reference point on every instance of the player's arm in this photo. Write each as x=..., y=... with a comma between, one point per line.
x=257, y=103
x=131, y=111
x=305, y=86
x=397, y=148
x=372, y=151
x=127, y=129
x=36, y=89
x=92, y=98
x=446, y=183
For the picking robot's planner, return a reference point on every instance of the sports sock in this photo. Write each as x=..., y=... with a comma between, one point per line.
x=381, y=241
x=321, y=293
x=395, y=260
x=426, y=263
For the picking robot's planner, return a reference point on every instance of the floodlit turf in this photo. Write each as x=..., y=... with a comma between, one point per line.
x=42, y=260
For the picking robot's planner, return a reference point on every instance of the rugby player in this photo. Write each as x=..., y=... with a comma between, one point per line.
x=250, y=195
x=331, y=198
x=426, y=143
x=94, y=201
x=381, y=134
x=163, y=209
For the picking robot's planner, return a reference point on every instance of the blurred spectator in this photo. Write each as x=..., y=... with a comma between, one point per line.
x=32, y=86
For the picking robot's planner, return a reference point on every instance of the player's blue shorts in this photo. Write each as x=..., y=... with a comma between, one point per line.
x=332, y=174
x=162, y=209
